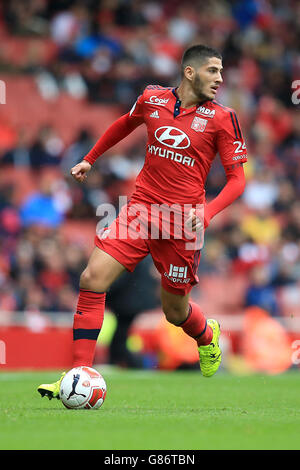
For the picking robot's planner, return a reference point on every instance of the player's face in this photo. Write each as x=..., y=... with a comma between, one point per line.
x=207, y=78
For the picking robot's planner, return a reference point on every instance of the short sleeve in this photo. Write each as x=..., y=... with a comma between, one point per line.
x=230, y=142
x=136, y=114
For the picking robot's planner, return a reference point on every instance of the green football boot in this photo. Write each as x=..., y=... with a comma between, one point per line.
x=51, y=390
x=210, y=356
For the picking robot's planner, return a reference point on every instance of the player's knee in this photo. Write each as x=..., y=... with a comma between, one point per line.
x=85, y=279
x=174, y=314
x=93, y=281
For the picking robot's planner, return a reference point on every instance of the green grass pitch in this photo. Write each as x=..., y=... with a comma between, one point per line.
x=155, y=410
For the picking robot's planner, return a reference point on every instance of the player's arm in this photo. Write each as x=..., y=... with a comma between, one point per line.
x=233, y=153
x=232, y=190
x=116, y=132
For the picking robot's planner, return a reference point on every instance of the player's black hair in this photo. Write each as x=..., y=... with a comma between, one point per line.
x=198, y=55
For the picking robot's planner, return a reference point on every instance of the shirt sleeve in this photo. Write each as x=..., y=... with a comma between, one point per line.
x=232, y=190
x=230, y=142
x=136, y=114
x=120, y=129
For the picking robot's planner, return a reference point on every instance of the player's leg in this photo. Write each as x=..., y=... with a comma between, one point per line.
x=113, y=253
x=184, y=313
x=101, y=271
x=175, y=307
x=181, y=311
x=110, y=258
x=178, y=268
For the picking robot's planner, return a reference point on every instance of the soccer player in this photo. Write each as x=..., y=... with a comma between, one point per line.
x=186, y=129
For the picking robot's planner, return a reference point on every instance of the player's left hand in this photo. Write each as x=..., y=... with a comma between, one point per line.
x=194, y=223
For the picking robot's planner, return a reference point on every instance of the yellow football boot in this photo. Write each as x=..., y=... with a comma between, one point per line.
x=51, y=390
x=210, y=356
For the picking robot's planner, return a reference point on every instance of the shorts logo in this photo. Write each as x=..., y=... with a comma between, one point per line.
x=177, y=271
x=178, y=274
x=172, y=137
x=199, y=124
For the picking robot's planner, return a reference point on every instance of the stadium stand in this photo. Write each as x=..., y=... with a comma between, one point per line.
x=71, y=67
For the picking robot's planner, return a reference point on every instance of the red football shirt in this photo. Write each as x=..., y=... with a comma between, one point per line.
x=182, y=144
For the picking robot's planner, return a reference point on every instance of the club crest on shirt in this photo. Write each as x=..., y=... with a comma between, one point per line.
x=199, y=124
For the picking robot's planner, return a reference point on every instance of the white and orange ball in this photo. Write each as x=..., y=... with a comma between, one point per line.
x=82, y=387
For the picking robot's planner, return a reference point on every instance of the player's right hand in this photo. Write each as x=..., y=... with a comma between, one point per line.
x=79, y=171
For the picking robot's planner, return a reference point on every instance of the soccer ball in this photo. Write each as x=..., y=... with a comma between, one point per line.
x=82, y=387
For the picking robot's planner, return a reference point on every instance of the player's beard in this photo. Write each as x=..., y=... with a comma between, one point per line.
x=198, y=88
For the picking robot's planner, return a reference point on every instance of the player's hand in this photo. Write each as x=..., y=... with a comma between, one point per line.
x=79, y=171
x=194, y=223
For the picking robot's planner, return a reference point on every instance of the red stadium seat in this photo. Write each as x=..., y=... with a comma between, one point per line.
x=22, y=179
x=218, y=294
x=72, y=117
x=79, y=232
x=21, y=50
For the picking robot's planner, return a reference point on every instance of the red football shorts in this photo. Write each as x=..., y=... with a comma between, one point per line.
x=130, y=238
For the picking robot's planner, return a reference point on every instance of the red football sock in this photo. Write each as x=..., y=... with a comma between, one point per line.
x=87, y=324
x=196, y=326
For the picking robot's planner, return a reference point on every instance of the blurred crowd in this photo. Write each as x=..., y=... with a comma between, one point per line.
x=106, y=52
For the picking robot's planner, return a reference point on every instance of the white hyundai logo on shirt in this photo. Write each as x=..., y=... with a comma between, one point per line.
x=172, y=137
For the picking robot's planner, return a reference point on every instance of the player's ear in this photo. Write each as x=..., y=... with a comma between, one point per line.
x=189, y=72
